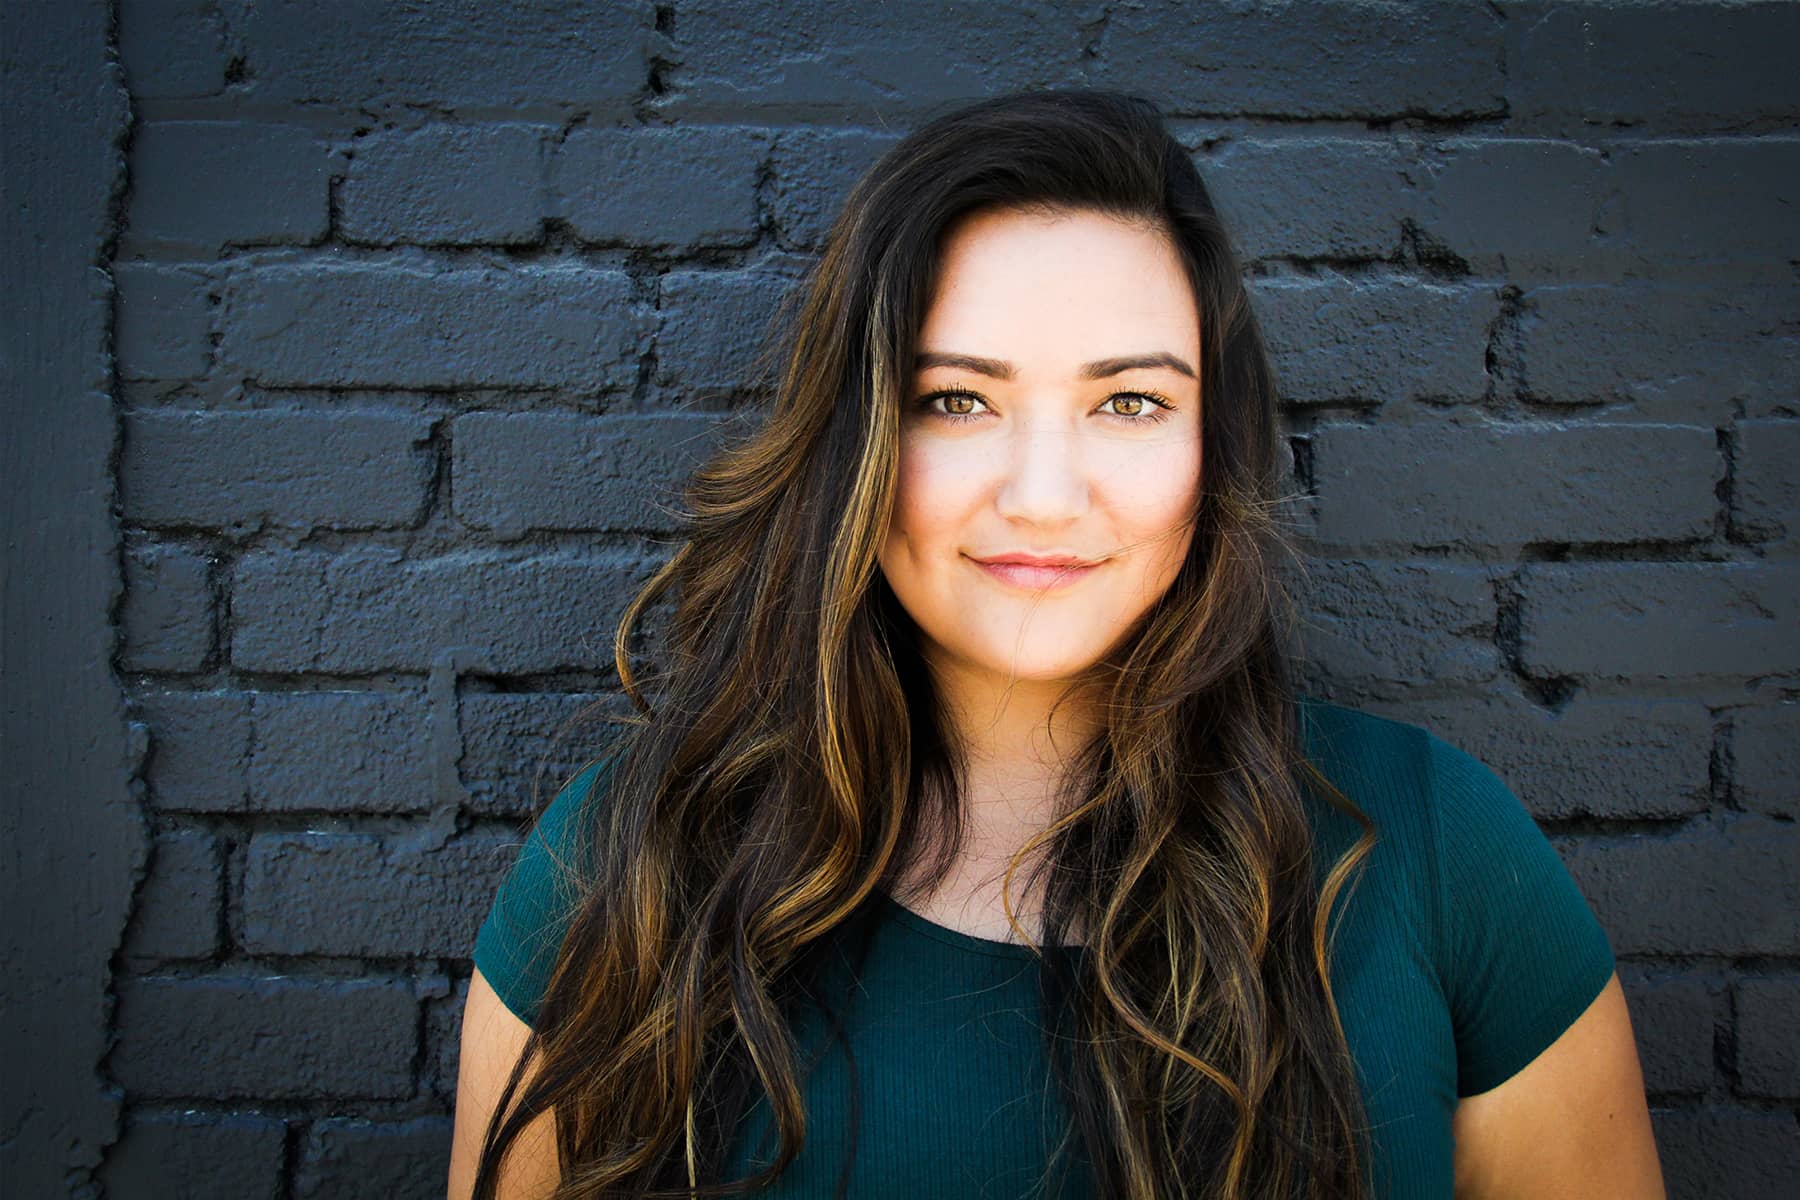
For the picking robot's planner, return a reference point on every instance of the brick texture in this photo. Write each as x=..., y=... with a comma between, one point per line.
x=402, y=1159
x=178, y=909
x=204, y=1153
x=274, y=1037
x=1768, y=1047
x=421, y=316
x=394, y=193
x=459, y=327
x=1511, y=485
x=331, y=469
x=203, y=185
x=662, y=187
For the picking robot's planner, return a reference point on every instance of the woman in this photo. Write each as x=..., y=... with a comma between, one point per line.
x=972, y=841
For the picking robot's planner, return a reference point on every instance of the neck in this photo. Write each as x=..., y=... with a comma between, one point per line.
x=1014, y=738
x=1014, y=735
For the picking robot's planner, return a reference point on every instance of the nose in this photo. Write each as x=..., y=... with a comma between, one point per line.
x=1044, y=481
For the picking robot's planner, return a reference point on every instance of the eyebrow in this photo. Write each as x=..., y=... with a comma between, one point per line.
x=1098, y=369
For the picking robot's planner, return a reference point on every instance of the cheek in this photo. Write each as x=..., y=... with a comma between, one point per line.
x=1149, y=486
x=933, y=492
x=1153, y=497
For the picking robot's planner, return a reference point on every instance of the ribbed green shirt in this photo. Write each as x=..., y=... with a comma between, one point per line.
x=1465, y=949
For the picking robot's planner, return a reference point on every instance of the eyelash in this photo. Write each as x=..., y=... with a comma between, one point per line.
x=1159, y=406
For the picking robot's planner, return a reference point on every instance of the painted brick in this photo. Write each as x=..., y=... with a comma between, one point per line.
x=351, y=894
x=1503, y=485
x=814, y=56
x=274, y=467
x=270, y=1037
x=1398, y=622
x=209, y=1153
x=1768, y=1041
x=339, y=752
x=1722, y=886
x=516, y=472
x=1336, y=338
x=715, y=324
x=1766, y=747
x=210, y=184
x=1675, y=192
x=1308, y=197
x=168, y=609
x=172, y=49
x=811, y=172
x=1657, y=620
x=199, y=747
x=508, y=736
x=1676, y=352
x=163, y=322
x=1740, y=1153
x=1324, y=58
x=1615, y=757
x=288, y=751
x=554, y=54
x=443, y=1042
x=178, y=905
x=661, y=187
x=1765, y=499
x=372, y=610
x=447, y=184
x=1574, y=67
x=1515, y=206
x=1636, y=291
x=404, y=1160
x=1672, y=1019
x=395, y=326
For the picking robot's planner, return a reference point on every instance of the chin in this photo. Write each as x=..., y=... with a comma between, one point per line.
x=1038, y=659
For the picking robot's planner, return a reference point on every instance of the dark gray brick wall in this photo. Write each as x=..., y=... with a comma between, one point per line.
x=500, y=200
x=422, y=312
x=219, y=1153
x=229, y=1036
x=662, y=188
x=414, y=323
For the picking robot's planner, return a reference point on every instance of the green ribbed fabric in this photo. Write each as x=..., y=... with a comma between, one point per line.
x=1464, y=949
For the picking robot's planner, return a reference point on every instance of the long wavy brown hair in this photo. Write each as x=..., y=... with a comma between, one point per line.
x=787, y=759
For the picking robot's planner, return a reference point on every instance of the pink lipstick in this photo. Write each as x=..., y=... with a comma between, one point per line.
x=1038, y=572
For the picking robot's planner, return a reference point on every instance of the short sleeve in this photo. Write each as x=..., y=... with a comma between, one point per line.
x=517, y=944
x=1523, y=953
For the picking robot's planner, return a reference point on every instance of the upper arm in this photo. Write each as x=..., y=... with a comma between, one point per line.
x=1520, y=954
x=1551, y=1096
x=492, y=1040
x=1572, y=1122
x=515, y=953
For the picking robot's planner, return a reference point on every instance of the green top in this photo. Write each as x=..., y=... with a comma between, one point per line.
x=1465, y=949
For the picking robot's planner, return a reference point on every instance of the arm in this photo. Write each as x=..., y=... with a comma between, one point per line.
x=1572, y=1123
x=492, y=1039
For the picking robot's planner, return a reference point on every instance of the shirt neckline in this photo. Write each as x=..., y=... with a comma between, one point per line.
x=991, y=947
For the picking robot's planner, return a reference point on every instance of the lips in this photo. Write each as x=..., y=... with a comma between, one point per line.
x=1038, y=573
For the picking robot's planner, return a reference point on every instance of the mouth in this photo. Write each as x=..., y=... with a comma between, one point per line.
x=1038, y=574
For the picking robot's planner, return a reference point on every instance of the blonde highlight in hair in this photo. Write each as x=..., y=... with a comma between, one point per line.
x=789, y=757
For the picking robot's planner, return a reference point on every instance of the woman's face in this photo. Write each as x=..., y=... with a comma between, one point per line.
x=1054, y=414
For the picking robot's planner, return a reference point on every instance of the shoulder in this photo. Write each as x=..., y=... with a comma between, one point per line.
x=517, y=944
x=1394, y=765
x=1346, y=737
x=1518, y=952
x=573, y=803
x=1438, y=811
x=1380, y=764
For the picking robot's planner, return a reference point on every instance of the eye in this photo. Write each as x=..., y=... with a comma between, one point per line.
x=1130, y=408
x=959, y=404
x=1138, y=407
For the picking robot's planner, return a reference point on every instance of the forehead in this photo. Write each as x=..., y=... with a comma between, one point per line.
x=1047, y=290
